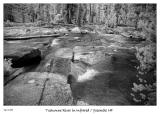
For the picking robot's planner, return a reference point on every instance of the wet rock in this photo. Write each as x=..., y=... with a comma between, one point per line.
x=32, y=58
x=54, y=42
x=83, y=54
x=46, y=32
x=64, y=53
x=85, y=31
x=14, y=42
x=60, y=65
x=90, y=57
x=17, y=49
x=31, y=81
x=76, y=30
x=76, y=38
x=78, y=49
x=63, y=30
x=14, y=32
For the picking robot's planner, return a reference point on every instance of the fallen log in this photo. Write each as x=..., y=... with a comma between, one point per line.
x=58, y=24
x=8, y=38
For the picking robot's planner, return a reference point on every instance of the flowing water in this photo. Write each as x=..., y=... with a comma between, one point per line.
x=104, y=65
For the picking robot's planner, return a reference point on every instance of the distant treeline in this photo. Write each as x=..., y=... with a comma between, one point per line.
x=109, y=14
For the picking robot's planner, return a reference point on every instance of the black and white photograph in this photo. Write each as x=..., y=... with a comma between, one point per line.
x=79, y=54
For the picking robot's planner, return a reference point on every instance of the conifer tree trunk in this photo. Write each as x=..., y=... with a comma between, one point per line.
x=78, y=15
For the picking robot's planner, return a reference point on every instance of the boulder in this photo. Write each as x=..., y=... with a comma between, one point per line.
x=55, y=42
x=32, y=58
x=63, y=30
x=76, y=38
x=85, y=31
x=76, y=30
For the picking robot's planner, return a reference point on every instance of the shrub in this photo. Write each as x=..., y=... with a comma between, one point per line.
x=7, y=67
x=145, y=87
x=147, y=25
x=147, y=57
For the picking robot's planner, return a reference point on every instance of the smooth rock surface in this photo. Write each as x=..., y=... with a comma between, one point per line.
x=54, y=91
